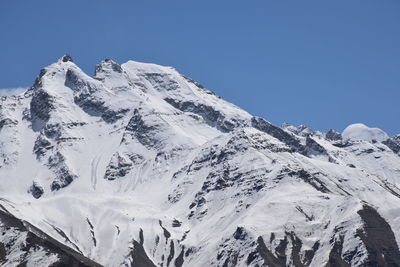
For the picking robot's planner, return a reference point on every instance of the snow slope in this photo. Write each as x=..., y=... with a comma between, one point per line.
x=142, y=166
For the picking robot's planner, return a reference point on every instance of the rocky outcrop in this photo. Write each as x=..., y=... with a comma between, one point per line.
x=36, y=190
x=41, y=105
x=142, y=131
x=278, y=133
x=379, y=239
x=105, y=67
x=162, y=81
x=23, y=244
x=393, y=143
x=333, y=135
x=312, y=148
x=139, y=256
x=88, y=95
x=210, y=115
x=118, y=167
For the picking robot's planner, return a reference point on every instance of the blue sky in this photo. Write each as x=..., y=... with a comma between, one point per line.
x=325, y=64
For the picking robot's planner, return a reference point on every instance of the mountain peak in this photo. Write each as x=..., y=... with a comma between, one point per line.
x=106, y=66
x=66, y=58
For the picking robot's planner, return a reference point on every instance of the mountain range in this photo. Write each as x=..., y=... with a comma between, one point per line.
x=139, y=165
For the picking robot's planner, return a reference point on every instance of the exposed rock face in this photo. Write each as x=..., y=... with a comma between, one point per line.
x=211, y=116
x=313, y=148
x=139, y=256
x=378, y=238
x=119, y=167
x=88, y=96
x=36, y=190
x=393, y=143
x=106, y=67
x=66, y=58
x=145, y=133
x=7, y=122
x=142, y=166
x=278, y=133
x=63, y=179
x=333, y=135
x=22, y=244
x=41, y=105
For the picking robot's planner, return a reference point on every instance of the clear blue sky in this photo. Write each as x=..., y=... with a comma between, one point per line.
x=325, y=64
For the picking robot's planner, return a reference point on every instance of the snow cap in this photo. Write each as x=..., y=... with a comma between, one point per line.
x=359, y=131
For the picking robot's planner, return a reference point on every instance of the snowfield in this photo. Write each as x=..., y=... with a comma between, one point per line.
x=142, y=166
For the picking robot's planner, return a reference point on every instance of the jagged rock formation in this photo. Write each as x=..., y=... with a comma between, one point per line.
x=393, y=143
x=333, y=135
x=22, y=244
x=142, y=166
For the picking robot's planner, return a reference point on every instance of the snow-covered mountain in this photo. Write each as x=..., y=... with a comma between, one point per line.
x=142, y=166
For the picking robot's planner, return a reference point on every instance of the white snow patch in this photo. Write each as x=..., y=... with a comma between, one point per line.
x=12, y=91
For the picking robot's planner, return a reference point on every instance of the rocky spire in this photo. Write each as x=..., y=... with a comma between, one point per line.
x=66, y=58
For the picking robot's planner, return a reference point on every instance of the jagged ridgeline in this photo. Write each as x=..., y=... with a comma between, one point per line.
x=139, y=165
